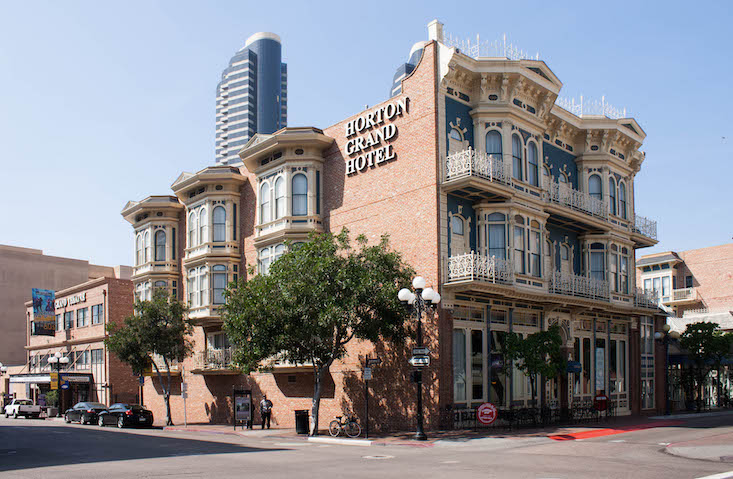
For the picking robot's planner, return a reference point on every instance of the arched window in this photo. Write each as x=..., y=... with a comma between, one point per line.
x=147, y=246
x=220, y=224
x=595, y=187
x=264, y=203
x=532, y=165
x=493, y=143
x=160, y=245
x=456, y=224
x=561, y=178
x=219, y=277
x=279, y=197
x=139, y=250
x=192, y=227
x=264, y=260
x=612, y=195
x=520, y=246
x=622, y=199
x=203, y=227
x=455, y=141
x=300, y=195
x=517, y=157
x=279, y=251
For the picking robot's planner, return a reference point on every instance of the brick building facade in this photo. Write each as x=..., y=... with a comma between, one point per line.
x=518, y=211
x=93, y=373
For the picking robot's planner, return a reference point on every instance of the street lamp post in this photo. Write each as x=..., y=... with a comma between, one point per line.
x=423, y=300
x=57, y=360
x=666, y=336
x=3, y=370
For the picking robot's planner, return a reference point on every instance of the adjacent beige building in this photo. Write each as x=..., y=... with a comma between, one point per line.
x=22, y=269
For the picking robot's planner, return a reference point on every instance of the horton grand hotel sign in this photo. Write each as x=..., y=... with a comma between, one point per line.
x=370, y=136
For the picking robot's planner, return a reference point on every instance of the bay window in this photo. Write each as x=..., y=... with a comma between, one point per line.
x=219, y=278
x=220, y=218
x=597, y=261
x=147, y=247
x=519, y=246
x=300, y=195
x=493, y=144
x=497, y=235
x=534, y=249
x=622, y=199
x=612, y=195
x=279, y=197
x=532, y=164
x=203, y=227
x=192, y=228
x=517, y=157
x=595, y=188
x=160, y=245
x=265, y=203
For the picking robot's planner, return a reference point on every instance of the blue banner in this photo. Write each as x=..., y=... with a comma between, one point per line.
x=44, y=312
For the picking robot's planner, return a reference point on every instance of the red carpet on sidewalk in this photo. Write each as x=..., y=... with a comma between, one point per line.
x=611, y=431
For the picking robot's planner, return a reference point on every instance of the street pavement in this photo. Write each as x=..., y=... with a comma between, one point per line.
x=42, y=449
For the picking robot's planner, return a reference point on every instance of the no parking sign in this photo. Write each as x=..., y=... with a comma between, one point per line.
x=486, y=413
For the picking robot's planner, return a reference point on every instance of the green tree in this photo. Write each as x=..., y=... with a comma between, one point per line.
x=157, y=327
x=706, y=347
x=315, y=299
x=537, y=355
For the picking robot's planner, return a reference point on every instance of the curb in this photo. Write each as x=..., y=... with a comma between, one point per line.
x=694, y=415
x=345, y=442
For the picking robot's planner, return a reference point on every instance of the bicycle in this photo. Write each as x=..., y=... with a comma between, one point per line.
x=350, y=426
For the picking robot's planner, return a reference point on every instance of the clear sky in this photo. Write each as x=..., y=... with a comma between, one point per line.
x=105, y=102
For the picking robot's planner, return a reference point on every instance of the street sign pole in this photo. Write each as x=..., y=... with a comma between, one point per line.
x=366, y=400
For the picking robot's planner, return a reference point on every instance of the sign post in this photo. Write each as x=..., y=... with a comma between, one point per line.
x=184, y=395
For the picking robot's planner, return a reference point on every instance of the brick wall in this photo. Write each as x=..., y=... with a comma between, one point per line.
x=712, y=275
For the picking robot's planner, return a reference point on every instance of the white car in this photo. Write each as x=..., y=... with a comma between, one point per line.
x=22, y=407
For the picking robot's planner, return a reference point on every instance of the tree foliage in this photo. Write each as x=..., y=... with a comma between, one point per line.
x=706, y=347
x=316, y=298
x=537, y=355
x=157, y=327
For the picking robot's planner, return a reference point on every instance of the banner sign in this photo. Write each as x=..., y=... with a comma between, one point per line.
x=44, y=312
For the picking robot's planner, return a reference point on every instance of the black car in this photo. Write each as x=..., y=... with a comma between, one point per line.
x=124, y=414
x=84, y=412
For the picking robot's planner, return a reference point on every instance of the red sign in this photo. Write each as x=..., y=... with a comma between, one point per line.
x=486, y=413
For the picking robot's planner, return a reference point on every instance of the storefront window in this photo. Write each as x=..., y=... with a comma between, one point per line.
x=477, y=364
x=498, y=376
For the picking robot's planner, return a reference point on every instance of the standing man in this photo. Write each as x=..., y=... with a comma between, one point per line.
x=265, y=410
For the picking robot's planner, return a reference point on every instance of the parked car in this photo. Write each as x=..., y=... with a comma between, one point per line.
x=84, y=412
x=124, y=414
x=22, y=407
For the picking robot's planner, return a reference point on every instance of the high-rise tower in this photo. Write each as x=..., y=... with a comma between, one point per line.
x=252, y=95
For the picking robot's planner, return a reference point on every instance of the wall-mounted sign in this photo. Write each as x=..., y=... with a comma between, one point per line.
x=71, y=300
x=370, y=136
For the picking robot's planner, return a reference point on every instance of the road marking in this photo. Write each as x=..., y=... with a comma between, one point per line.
x=618, y=440
x=722, y=475
x=377, y=457
x=288, y=444
x=450, y=462
x=664, y=443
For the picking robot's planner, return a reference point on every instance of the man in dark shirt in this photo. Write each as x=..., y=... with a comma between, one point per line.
x=265, y=411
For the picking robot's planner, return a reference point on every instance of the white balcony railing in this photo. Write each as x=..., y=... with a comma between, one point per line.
x=646, y=299
x=158, y=360
x=475, y=267
x=685, y=294
x=645, y=226
x=470, y=162
x=581, y=286
x=565, y=195
x=213, y=359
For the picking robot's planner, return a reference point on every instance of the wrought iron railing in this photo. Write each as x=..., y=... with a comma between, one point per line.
x=581, y=286
x=213, y=359
x=565, y=195
x=475, y=267
x=591, y=107
x=646, y=299
x=500, y=48
x=645, y=226
x=470, y=162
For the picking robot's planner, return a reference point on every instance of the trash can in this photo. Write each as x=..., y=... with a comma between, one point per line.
x=301, y=421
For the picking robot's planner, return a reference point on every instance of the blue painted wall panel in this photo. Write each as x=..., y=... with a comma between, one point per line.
x=557, y=159
x=454, y=110
x=467, y=212
x=558, y=235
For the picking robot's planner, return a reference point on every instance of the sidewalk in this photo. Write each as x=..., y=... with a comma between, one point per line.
x=715, y=448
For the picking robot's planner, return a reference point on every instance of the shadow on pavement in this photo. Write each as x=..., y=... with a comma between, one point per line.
x=24, y=447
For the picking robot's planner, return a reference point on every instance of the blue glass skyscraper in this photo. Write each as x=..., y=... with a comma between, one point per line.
x=251, y=96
